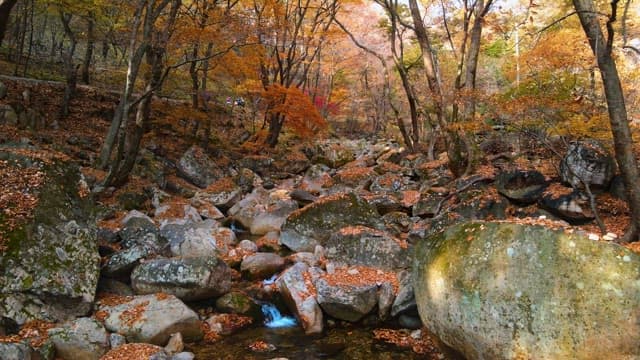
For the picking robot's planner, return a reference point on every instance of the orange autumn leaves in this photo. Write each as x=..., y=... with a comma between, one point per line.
x=301, y=115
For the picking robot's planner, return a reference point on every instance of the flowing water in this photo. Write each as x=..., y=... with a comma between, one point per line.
x=274, y=320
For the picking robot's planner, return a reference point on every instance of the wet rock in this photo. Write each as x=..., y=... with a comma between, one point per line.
x=297, y=294
x=261, y=265
x=192, y=278
x=520, y=186
x=589, y=162
x=82, y=339
x=409, y=322
x=239, y=303
x=198, y=168
x=345, y=301
x=263, y=211
x=152, y=319
x=361, y=245
x=536, y=293
x=315, y=223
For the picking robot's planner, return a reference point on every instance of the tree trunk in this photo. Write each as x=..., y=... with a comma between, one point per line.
x=275, y=127
x=71, y=70
x=5, y=11
x=88, y=56
x=622, y=139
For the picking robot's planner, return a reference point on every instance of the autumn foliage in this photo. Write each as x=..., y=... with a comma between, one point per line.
x=301, y=115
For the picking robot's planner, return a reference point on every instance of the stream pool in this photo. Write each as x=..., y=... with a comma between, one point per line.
x=350, y=343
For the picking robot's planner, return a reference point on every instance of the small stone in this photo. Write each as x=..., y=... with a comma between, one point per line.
x=116, y=340
x=175, y=344
x=594, y=237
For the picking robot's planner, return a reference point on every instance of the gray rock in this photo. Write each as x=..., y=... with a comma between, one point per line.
x=222, y=194
x=261, y=265
x=194, y=239
x=334, y=153
x=589, y=162
x=141, y=231
x=122, y=263
x=405, y=302
x=116, y=340
x=8, y=115
x=297, y=295
x=82, y=339
x=248, y=246
x=386, y=297
x=189, y=279
x=152, y=319
x=345, y=301
x=316, y=222
x=50, y=269
x=263, y=211
x=183, y=356
x=198, y=168
x=15, y=351
x=507, y=291
x=361, y=245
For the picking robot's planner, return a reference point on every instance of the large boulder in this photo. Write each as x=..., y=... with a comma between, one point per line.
x=152, y=319
x=299, y=294
x=334, y=153
x=350, y=302
x=263, y=211
x=361, y=245
x=49, y=266
x=189, y=278
x=587, y=162
x=314, y=223
x=82, y=339
x=510, y=291
x=198, y=168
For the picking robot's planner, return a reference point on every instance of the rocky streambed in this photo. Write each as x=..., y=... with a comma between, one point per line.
x=346, y=237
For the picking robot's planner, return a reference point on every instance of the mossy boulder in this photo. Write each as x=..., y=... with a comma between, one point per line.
x=50, y=267
x=237, y=302
x=189, y=278
x=315, y=223
x=511, y=291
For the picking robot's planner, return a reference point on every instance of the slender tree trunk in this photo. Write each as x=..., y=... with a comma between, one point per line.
x=88, y=56
x=31, y=31
x=5, y=10
x=71, y=70
x=622, y=138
